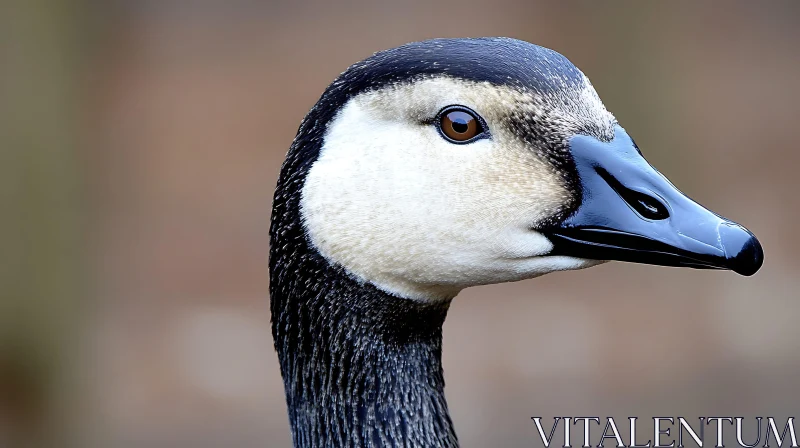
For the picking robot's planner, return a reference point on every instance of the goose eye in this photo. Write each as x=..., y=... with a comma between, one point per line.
x=460, y=125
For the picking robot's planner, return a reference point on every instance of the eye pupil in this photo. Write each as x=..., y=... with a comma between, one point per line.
x=460, y=125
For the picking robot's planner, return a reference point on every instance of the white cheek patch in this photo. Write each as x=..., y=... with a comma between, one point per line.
x=396, y=205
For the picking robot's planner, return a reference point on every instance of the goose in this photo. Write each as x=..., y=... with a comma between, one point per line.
x=432, y=167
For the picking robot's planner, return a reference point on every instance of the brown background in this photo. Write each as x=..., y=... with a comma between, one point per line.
x=179, y=113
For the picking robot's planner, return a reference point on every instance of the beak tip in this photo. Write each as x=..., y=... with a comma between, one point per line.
x=742, y=250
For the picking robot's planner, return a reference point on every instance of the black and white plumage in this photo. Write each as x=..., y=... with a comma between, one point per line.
x=379, y=220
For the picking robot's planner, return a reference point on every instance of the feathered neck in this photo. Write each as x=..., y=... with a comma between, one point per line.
x=360, y=368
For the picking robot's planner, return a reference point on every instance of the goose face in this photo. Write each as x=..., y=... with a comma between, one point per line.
x=454, y=163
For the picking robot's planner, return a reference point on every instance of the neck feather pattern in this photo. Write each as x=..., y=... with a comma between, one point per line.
x=361, y=368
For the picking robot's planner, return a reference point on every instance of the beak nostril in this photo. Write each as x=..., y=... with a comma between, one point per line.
x=650, y=208
x=644, y=204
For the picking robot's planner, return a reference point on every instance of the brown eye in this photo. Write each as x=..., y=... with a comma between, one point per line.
x=460, y=125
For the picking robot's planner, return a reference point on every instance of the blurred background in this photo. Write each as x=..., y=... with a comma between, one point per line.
x=140, y=142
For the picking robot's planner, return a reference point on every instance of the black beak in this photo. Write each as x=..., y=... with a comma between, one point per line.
x=631, y=212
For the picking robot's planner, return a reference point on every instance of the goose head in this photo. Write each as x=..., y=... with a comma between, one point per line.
x=450, y=163
x=436, y=166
